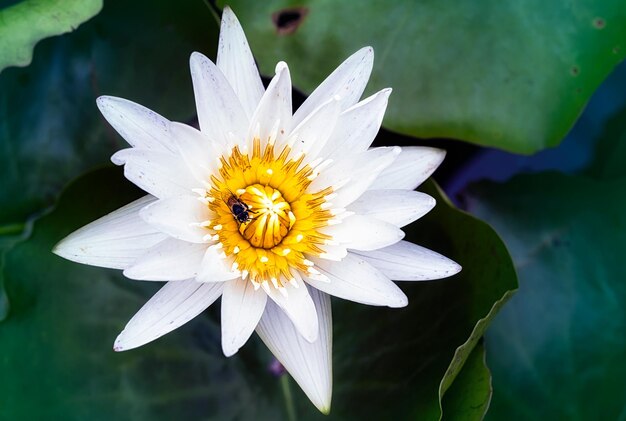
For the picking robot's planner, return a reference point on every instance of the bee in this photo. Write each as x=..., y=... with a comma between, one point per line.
x=239, y=209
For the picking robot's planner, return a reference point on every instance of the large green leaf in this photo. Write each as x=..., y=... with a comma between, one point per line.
x=50, y=128
x=514, y=75
x=24, y=24
x=397, y=363
x=557, y=350
x=57, y=357
x=57, y=360
x=469, y=396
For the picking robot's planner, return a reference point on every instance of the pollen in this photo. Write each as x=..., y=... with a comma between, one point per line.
x=263, y=214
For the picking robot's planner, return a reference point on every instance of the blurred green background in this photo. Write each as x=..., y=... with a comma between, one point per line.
x=493, y=83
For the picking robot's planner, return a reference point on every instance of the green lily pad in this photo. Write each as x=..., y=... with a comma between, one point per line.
x=509, y=75
x=557, y=350
x=24, y=24
x=57, y=359
x=50, y=128
x=469, y=396
x=401, y=362
x=57, y=343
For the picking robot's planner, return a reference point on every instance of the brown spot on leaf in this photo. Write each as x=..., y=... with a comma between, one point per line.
x=574, y=71
x=599, y=23
x=288, y=20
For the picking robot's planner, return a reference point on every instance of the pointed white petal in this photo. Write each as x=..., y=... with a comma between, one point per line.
x=213, y=268
x=235, y=60
x=311, y=135
x=299, y=307
x=398, y=207
x=219, y=109
x=348, y=81
x=358, y=232
x=406, y=261
x=357, y=126
x=161, y=174
x=139, y=126
x=356, y=280
x=170, y=260
x=113, y=241
x=273, y=115
x=179, y=217
x=310, y=364
x=351, y=176
x=171, y=307
x=198, y=152
x=414, y=165
x=242, y=308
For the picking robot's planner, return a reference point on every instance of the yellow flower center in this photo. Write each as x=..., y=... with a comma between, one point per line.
x=263, y=216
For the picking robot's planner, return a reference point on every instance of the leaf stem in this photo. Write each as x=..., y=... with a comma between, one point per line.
x=12, y=229
x=291, y=409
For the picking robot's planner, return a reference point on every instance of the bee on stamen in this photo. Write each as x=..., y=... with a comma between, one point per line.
x=240, y=210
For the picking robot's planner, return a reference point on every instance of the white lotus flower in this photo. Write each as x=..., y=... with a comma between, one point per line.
x=271, y=211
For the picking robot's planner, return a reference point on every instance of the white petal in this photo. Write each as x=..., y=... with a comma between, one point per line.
x=406, y=261
x=358, y=232
x=398, y=207
x=213, y=268
x=179, y=217
x=357, y=126
x=172, y=306
x=113, y=241
x=310, y=364
x=199, y=153
x=139, y=126
x=219, y=109
x=356, y=280
x=161, y=174
x=333, y=252
x=299, y=307
x=348, y=81
x=242, y=308
x=351, y=176
x=272, y=117
x=235, y=60
x=170, y=260
x=311, y=135
x=414, y=165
